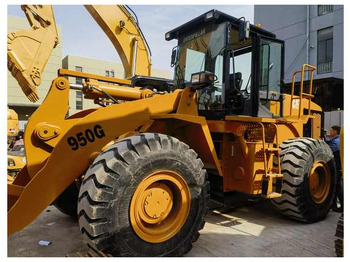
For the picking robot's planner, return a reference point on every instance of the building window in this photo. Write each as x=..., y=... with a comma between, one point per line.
x=325, y=9
x=112, y=73
x=107, y=73
x=78, y=80
x=325, y=50
x=79, y=100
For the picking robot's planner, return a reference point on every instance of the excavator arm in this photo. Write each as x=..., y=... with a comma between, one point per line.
x=126, y=36
x=29, y=50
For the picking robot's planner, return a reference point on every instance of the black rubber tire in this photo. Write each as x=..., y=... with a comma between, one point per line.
x=339, y=234
x=297, y=158
x=67, y=201
x=110, y=182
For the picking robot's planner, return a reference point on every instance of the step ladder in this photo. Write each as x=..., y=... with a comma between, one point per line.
x=272, y=178
x=306, y=68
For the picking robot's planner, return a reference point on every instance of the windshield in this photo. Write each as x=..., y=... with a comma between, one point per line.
x=199, y=51
x=203, y=51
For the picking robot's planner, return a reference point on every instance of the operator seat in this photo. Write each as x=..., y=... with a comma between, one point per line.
x=237, y=78
x=234, y=95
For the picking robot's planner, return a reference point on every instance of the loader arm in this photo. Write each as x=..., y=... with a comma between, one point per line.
x=52, y=141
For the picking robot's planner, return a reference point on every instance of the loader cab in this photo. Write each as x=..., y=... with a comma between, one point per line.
x=246, y=61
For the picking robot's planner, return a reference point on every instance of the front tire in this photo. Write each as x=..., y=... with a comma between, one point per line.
x=152, y=169
x=308, y=185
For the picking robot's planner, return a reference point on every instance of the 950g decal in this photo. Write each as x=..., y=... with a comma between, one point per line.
x=83, y=138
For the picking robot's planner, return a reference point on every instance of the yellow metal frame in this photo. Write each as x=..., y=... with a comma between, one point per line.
x=119, y=81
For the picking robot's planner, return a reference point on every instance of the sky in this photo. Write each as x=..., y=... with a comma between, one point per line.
x=82, y=36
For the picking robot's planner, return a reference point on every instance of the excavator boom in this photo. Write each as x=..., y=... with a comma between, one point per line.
x=126, y=36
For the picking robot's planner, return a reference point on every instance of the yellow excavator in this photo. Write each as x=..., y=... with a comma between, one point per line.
x=14, y=160
x=141, y=167
x=12, y=126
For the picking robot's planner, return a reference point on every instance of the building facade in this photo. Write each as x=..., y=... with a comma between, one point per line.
x=313, y=34
x=16, y=99
x=98, y=67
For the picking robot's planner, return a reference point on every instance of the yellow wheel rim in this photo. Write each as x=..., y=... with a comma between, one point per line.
x=160, y=206
x=319, y=182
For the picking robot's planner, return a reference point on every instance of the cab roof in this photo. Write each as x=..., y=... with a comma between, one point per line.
x=210, y=17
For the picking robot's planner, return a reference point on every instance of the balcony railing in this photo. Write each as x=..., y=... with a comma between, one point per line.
x=325, y=67
x=325, y=9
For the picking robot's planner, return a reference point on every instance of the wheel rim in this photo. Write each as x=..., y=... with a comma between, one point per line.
x=160, y=206
x=319, y=182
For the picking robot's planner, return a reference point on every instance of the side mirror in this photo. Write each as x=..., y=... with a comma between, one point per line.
x=173, y=56
x=244, y=30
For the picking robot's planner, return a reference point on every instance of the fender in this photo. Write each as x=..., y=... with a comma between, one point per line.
x=192, y=130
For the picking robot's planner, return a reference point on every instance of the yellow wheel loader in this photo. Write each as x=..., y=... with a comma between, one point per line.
x=146, y=161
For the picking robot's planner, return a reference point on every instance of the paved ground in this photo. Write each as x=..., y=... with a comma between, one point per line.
x=255, y=231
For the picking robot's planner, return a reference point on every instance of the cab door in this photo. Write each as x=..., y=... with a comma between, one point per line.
x=270, y=73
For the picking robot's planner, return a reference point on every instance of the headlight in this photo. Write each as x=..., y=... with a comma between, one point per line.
x=202, y=79
x=10, y=162
x=24, y=160
x=195, y=79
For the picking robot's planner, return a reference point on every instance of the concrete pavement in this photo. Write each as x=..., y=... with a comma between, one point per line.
x=256, y=230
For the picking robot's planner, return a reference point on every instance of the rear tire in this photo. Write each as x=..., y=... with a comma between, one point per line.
x=305, y=199
x=106, y=194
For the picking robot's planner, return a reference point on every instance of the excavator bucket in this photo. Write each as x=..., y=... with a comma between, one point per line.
x=29, y=50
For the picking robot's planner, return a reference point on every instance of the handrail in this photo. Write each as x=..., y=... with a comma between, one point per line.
x=305, y=68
